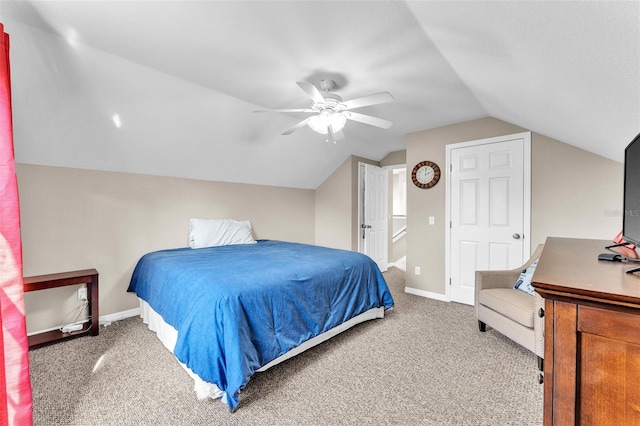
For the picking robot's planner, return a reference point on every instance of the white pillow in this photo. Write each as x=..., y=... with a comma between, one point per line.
x=524, y=280
x=219, y=232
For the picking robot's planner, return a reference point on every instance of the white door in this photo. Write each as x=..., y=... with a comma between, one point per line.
x=489, y=188
x=374, y=216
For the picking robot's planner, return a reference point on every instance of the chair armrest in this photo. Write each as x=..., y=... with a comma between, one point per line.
x=496, y=279
x=503, y=278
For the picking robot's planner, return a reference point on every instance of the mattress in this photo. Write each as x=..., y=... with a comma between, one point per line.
x=238, y=308
x=204, y=390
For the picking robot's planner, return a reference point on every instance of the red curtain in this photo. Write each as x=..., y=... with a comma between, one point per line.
x=15, y=384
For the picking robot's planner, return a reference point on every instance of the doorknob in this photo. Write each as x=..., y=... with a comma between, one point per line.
x=363, y=226
x=516, y=236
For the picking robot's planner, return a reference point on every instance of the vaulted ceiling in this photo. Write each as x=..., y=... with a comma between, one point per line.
x=184, y=77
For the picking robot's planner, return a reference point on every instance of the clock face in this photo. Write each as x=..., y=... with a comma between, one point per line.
x=425, y=174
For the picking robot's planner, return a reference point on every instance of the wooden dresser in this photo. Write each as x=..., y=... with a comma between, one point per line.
x=592, y=334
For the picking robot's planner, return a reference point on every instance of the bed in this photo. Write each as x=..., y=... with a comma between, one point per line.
x=229, y=311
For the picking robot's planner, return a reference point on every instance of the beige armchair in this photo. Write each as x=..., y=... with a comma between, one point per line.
x=513, y=313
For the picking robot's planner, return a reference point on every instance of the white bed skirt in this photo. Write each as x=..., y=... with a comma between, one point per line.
x=169, y=336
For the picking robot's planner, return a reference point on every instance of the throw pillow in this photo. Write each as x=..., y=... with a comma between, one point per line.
x=524, y=280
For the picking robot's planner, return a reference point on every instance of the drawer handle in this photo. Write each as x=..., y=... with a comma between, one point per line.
x=541, y=313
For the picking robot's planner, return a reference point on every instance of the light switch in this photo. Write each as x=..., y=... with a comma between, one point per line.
x=432, y=220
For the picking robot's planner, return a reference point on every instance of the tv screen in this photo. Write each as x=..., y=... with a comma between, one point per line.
x=631, y=217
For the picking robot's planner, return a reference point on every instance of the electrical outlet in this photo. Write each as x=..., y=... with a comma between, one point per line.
x=417, y=270
x=82, y=293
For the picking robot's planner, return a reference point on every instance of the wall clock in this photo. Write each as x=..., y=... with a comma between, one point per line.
x=425, y=174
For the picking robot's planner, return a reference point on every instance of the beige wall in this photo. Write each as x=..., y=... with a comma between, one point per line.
x=77, y=219
x=333, y=209
x=572, y=191
x=395, y=158
x=398, y=249
x=337, y=206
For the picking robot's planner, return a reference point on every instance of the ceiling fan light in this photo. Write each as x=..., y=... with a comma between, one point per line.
x=338, y=120
x=320, y=123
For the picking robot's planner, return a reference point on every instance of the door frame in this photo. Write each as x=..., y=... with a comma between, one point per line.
x=526, y=136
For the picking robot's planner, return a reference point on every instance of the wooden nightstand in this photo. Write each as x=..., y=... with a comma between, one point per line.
x=42, y=282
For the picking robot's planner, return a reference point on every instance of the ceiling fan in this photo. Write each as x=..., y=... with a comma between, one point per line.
x=330, y=112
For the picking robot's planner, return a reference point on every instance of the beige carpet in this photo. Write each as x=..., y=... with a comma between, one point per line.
x=425, y=363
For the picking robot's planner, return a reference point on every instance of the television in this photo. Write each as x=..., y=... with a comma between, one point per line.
x=631, y=201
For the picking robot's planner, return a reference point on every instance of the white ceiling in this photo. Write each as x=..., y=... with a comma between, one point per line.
x=185, y=76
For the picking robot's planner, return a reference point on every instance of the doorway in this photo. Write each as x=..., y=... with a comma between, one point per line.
x=398, y=246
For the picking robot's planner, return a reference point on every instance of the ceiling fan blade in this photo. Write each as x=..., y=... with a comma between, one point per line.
x=296, y=127
x=284, y=110
x=367, y=119
x=312, y=91
x=375, y=99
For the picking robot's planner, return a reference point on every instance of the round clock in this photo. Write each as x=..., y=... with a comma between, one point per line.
x=425, y=174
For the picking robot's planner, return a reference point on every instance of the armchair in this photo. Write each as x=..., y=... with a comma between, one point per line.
x=514, y=313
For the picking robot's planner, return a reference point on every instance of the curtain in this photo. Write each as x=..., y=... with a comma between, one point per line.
x=15, y=384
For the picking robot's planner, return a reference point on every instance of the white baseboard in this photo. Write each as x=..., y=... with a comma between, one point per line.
x=31, y=333
x=120, y=315
x=403, y=259
x=103, y=319
x=427, y=294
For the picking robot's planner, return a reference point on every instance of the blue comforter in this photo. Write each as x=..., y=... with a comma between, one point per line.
x=238, y=307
